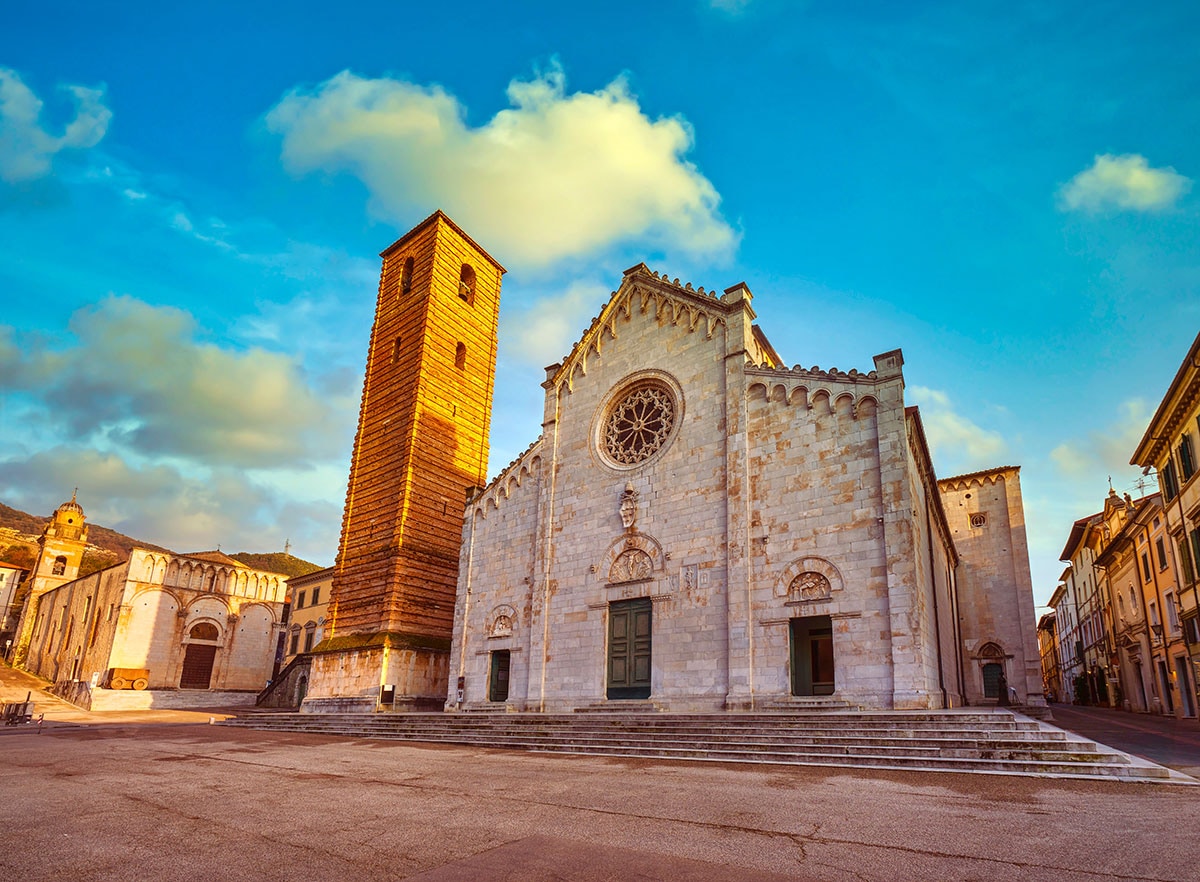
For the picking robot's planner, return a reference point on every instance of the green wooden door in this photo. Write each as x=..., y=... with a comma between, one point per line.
x=498, y=685
x=629, y=645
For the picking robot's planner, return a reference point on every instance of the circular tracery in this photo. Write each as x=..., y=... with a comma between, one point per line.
x=639, y=424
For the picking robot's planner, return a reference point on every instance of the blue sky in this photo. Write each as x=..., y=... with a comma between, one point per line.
x=192, y=201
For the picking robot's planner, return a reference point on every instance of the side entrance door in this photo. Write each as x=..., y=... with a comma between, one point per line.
x=812, y=655
x=498, y=682
x=629, y=640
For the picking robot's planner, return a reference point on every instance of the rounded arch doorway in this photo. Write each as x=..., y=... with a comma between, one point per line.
x=200, y=652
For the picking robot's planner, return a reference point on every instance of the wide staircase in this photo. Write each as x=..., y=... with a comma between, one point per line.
x=984, y=741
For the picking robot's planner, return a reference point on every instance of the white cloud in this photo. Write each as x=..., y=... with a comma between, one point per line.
x=27, y=149
x=1123, y=182
x=544, y=332
x=957, y=444
x=555, y=176
x=137, y=378
x=181, y=509
x=1106, y=452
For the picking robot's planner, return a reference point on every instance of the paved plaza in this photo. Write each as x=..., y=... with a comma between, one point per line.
x=99, y=798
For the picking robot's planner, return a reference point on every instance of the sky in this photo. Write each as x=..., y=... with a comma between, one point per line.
x=193, y=198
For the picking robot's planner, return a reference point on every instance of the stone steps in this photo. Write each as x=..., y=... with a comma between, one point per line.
x=983, y=742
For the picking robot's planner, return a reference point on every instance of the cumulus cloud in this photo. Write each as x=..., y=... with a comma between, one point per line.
x=554, y=176
x=137, y=377
x=544, y=332
x=1106, y=452
x=1124, y=182
x=957, y=443
x=181, y=509
x=27, y=148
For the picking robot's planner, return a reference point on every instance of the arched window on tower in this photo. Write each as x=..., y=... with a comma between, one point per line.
x=60, y=565
x=466, y=284
x=396, y=347
x=406, y=276
x=460, y=356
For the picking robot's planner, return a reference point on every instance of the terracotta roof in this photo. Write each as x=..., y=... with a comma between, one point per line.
x=216, y=557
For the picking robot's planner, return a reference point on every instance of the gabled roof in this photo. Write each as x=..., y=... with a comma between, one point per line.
x=694, y=306
x=216, y=557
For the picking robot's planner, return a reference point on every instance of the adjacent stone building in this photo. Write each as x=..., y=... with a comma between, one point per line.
x=699, y=527
x=199, y=621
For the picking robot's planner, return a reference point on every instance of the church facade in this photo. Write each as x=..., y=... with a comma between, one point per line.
x=699, y=527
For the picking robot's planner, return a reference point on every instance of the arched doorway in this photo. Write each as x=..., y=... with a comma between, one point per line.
x=301, y=690
x=199, y=655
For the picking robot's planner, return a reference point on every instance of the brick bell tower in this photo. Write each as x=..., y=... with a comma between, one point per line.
x=421, y=445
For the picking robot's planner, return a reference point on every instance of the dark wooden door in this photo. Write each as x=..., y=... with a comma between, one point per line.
x=498, y=685
x=197, y=666
x=629, y=648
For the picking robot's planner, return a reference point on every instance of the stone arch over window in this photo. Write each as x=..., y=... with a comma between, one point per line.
x=406, y=273
x=466, y=284
x=809, y=578
x=60, y=565
x=502, y=621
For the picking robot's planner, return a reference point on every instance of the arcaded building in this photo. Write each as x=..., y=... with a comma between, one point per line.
x=196, y=621
x=699, y=527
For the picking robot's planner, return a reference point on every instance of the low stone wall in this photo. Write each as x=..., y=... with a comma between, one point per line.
x=82, y=694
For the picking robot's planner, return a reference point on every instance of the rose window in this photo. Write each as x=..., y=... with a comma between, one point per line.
x=639, y=424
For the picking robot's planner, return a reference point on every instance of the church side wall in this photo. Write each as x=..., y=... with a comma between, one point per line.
x=817, y=507
x=494, y=607
x=931, y=619
x=76, y=621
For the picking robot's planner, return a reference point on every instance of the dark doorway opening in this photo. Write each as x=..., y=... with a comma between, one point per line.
x=498, y=680
x=991, y=679
x=812, y=655
x=197, y=666
x=629, y=641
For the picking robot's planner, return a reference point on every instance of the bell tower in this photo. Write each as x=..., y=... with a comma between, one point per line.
x=60, y=555
x=421, y=445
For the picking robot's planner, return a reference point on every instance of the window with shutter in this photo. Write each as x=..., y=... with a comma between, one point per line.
x=1186, y=460
x=1170, y=486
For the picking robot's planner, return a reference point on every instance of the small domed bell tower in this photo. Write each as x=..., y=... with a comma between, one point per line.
x=60, y=554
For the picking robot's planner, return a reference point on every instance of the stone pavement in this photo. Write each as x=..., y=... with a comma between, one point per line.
x=15, y=685
x=1165, y=740
x=200, y=802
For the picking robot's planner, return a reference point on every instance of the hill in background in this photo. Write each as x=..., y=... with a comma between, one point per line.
x=19, y=532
